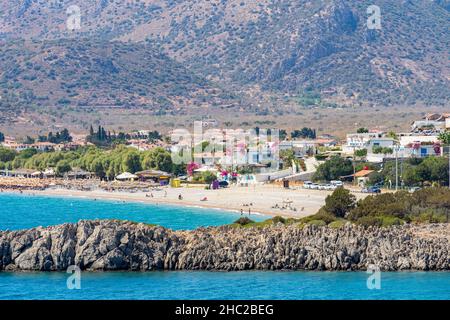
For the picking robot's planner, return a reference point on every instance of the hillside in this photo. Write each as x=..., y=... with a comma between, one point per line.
x=88, y=73
x=282, y=48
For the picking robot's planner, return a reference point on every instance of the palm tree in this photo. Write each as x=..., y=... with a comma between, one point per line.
x=444, y=137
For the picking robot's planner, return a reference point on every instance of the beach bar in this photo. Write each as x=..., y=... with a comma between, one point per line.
x=156, y=176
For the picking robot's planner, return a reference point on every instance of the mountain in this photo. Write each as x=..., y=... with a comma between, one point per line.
x=98, y=73
x=279, y=47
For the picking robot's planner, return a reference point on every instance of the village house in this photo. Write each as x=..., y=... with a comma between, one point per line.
x=359, y=141
x=432, y=122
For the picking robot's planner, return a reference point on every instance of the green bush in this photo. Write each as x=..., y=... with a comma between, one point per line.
x=279, y=219
x=337, y=224
x=244, y=221
x=430, y=216
x=333, y=168
x=324, y=216
x=370, y=221
x=391, y=221
x=339, y=202
x=319, y=223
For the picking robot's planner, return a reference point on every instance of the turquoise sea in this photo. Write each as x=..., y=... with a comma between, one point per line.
x=20, y=211
x=226, y=285
x=23, y=211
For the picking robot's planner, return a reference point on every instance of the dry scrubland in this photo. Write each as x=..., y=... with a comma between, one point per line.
x=333, y=121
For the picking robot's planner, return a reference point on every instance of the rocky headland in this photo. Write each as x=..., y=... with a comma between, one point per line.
x=121, y=245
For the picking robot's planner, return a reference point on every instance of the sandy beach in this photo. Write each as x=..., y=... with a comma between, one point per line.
x=258, y=199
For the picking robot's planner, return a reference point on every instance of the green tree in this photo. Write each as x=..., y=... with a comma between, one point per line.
x=362, y=130
x=376, y=177
x=361, y=153
x=340, y=202
x=28, y=140
x=158, y=159
x=131, y=162
x=7, y=154
x=97, y=168
x=2, y=137
x=333, y=168
x=62, y=167
x=393, y=135
x=27, y=153
x=287, y=156
x=444, y=137
x=382, y=150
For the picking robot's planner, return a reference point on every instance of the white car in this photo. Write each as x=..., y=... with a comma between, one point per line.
x=337, y=183
x=314, y=186
x=307, y=184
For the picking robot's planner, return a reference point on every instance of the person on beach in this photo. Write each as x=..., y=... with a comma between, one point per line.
x=242, y=212
x=249, y=211
x=180, y=197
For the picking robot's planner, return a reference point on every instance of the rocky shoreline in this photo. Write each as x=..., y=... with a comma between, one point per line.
x=105, y=245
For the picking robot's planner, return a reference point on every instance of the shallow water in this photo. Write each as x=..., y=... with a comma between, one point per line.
x=28, y=211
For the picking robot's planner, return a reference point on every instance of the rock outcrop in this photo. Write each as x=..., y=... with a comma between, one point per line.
x=120, y=245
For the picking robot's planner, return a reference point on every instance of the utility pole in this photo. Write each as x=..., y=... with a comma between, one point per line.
x=354, y=166
x=401, y=173
x=396, y=168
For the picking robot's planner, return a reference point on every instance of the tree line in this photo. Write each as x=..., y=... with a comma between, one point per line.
x=106, y=164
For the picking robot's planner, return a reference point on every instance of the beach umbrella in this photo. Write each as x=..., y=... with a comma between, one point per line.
x=205, y=169
x=126, y=176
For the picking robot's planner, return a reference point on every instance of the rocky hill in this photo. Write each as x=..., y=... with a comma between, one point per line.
x=281, y=47
x=99, y=73
x=116, y=245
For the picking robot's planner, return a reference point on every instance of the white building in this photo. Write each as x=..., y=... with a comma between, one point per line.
x=358, y=141
x=432, y=122
x=406, y=140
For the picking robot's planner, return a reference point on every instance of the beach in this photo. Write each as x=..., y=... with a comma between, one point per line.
x=258, y=199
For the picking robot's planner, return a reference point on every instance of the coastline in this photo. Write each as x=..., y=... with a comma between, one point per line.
x=258, y=199
x=110, y=245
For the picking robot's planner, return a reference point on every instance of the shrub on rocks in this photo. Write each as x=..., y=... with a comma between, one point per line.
x=279, y=219
x=319, y=223
x=244, y=221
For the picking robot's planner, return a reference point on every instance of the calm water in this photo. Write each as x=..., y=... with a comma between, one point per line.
x=27, y=211
x=221, y=285
x=22, y=211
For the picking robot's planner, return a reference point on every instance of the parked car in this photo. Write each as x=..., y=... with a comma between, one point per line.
x=414, y=189
x=378, y=184
x=337, y=183
x=314, y=186
x=307, y=184
x=223, y=184
x=371, y=190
